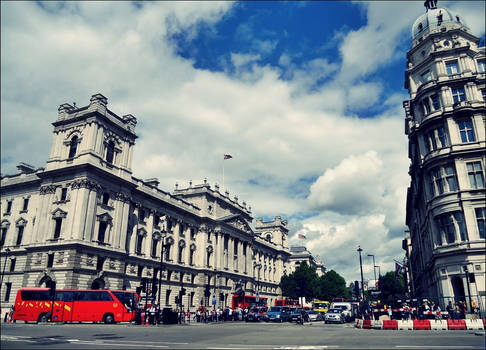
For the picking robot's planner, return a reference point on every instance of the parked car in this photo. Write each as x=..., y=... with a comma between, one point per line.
x=314, y=316
x=297, y=314
x=334, y=316
x=346, y=308
x=256, y=314
x=277, y=314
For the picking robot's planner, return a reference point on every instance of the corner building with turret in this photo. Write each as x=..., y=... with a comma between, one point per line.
x=445, y=124
x=84, y=221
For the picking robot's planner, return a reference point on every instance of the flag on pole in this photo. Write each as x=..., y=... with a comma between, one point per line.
x=301, y=236
x=227, y=156
x=398, y=269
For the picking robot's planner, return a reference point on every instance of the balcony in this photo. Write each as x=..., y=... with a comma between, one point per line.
x=462, y=105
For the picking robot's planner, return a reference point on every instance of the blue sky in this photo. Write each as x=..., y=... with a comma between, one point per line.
x=306, y=97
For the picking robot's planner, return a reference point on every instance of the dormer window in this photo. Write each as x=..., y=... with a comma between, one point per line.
x=110, y=152
x=73, y=146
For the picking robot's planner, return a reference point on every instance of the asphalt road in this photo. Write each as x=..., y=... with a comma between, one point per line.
x=230, y=336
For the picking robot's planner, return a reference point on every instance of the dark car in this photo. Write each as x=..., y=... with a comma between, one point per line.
x=277, y=314
x=256, y=314
x=297, y=315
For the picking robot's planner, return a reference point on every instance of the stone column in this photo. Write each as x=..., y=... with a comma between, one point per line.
x=241, y=260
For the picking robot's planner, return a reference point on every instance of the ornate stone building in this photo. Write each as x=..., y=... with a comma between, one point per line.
x=445, y=124
x=300, y=254
x=85, y=222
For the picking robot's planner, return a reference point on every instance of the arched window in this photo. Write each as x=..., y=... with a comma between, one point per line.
x=180, y=256
x=138, y=248
x=155, y=243
x=110, y=152
x=73, y=146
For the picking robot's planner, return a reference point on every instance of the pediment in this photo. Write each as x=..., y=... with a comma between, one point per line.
x=59, y=213
x=237, y=222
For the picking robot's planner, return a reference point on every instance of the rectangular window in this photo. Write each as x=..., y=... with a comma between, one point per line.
x=447, y=226
x=9, y=207
x=483, y=94
x=452, y=67
x=154, y=247
x=26, y=204
x=99, y=263
x=63, y=194
x=467, y=131
x=426, y=104
x=141, y=215
x=458, y=95
x=8, y=287
x=167, y=296
x=50, y=260
x=20, y=233
x=156, y=220
x=475, y=173
x=426, y=76
x=4, y=236
x=57, y=228
x=193, y=233
x=481, y=66
x=480, y=219
x=443, y=180
x=461, y=225
x=435, y=102
x=12, y=264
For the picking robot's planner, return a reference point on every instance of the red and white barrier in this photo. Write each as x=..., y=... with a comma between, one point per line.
x=377, y=324
x=405, y=324
x=474, y=324
x=438, y=325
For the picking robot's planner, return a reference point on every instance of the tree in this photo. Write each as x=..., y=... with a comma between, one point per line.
x=392, y=286
x=332, y=285
x=300, y=283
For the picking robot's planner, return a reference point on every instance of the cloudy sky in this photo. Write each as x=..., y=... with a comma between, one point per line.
x=306, y=97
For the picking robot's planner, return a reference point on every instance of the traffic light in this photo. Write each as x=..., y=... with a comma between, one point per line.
x=183, y=291
x=207, y=292
x=177, y=300
x=144, y=284
x=356, y=288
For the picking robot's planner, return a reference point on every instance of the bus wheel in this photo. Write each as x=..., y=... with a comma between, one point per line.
x=108, y=319
x=43, y=318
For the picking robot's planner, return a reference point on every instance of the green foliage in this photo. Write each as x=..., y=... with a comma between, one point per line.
x=304, y=282
x=391, y=286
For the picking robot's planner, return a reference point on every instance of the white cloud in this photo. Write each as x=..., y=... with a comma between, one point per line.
x=280, y=132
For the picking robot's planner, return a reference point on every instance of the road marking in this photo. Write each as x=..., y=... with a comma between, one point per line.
x=435, y=346
x=306, y=347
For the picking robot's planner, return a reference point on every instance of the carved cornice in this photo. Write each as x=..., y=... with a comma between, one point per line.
x=48, y=189
x=122, y=197
x=86, y=183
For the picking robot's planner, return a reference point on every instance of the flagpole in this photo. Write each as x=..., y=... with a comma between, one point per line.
x=222, y=188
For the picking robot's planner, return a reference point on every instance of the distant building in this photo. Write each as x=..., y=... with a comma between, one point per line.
x=300, y=254
x=85, y=222
x=445, y=124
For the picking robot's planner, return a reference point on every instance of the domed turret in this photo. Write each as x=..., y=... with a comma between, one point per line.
x=436, y=19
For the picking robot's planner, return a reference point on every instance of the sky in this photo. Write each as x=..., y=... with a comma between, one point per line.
x=305, y=96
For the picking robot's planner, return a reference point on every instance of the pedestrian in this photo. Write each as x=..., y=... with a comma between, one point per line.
x=463, y=309
x=390, y=312
x=451, y=310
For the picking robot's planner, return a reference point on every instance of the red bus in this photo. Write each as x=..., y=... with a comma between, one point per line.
x=287, y=302
x=72, y=305
x=247, y=301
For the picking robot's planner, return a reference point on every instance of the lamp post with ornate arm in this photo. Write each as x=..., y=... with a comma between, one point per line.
x=361, y=268
x=7, y=252
x=161, y=266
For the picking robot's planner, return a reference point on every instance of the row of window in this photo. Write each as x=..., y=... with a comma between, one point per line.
x=443, y=178
x=452, y=68
x=8, y=206
x=452, y=227
x=110, y=149
x=438, y=137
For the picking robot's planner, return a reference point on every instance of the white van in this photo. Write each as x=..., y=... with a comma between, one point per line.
x=347, y=308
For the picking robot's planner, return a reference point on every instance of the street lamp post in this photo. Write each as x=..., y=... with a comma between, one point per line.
x=7, y=252
x=470, y=308
x=161, y=267
x=361, y=268
x=374, y=267
x=379, y=270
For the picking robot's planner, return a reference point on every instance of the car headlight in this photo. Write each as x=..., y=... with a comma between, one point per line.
x=278, y=316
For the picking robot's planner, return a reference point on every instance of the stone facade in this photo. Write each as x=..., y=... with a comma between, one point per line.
x=445, y=124
x=300, y=254
x=85, y=221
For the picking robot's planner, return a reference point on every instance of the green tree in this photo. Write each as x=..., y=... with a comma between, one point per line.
x=391, y=287
x=331, y=285
x=300, y=283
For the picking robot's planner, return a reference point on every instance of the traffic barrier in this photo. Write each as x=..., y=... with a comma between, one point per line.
x=474, y=324
x=438, y=325
x=484, y=323
x=367, y=324
x=405, y=324
x=377, y=324
x=421, y=325
x=454, y=325
x=390, y=324
x=359, y=323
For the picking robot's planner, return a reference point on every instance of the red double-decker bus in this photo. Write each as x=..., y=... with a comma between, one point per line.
x=247, y=301
x=72, y=305
x=287, y=302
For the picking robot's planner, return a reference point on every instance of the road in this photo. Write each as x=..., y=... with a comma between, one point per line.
x=230, y=336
